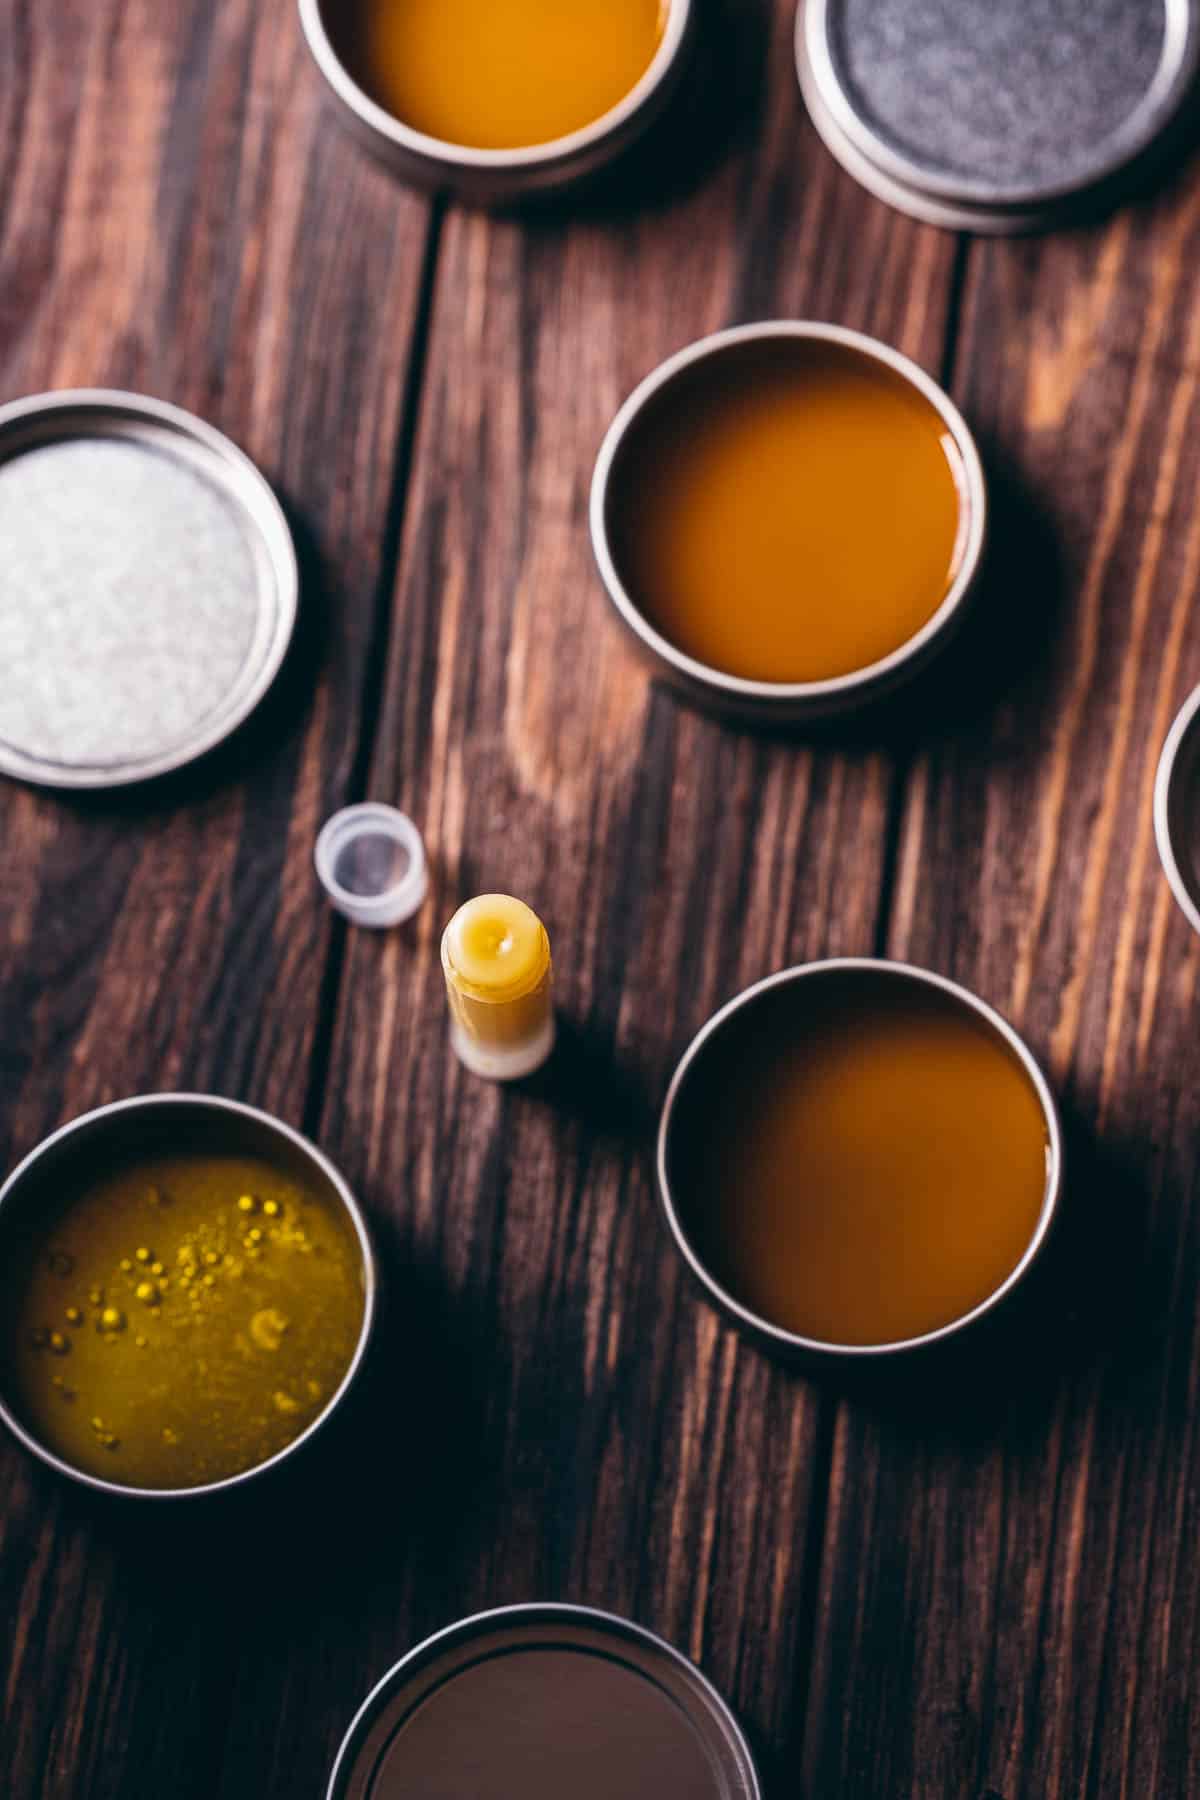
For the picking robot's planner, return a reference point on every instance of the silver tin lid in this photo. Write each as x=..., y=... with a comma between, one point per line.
x=544, y=1701
x=995, y=118
x=148, y=588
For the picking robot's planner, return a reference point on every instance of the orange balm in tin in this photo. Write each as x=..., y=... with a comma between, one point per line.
x=500, y=74
x=789, y=517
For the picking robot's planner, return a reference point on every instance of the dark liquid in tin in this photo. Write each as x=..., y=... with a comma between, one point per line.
x=860, y=1159
x=549, y=1723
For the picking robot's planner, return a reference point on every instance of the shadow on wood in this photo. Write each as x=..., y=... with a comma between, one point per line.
x=1000, y=654
x=1083, y=1308
x=586, y=1081
x=716, y=107
x=389, y=1478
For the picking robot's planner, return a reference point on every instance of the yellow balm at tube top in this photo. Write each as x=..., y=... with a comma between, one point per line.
x=496, y=959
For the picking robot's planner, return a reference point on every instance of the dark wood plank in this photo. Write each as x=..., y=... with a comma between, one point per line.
x=1009, y=1601
x=177, y=215
x=621, y=1446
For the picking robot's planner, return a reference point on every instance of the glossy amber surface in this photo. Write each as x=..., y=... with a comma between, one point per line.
x=860, y=1159
x=788, y=510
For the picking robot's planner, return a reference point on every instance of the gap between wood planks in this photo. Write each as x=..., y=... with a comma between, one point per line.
x=377, y=649
x=905, y=755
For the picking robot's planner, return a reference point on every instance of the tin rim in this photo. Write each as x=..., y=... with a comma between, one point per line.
x=246, y=488
x=551, y=1613
x=1151, y=116
x=1164, y=780
x=796, y=1341
x=307, y=1150
x=996, y=221
x=465, y=157
x=857, y=682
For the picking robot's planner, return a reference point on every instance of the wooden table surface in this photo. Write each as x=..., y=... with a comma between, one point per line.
x=977, y=1578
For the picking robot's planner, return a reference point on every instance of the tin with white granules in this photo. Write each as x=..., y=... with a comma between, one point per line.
x=148, y=588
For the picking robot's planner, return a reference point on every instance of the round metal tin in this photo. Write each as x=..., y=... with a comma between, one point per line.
x=800, y=701
x=777, y=1336
x=995, y=119
x=497, y=176
x=544, y=1701
x=148, y=588
x=1177, y=808
x=120, y=1124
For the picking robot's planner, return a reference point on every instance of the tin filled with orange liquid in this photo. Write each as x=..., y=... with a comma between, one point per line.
x=789, y=517
x=858, y=1157
x=496, y=99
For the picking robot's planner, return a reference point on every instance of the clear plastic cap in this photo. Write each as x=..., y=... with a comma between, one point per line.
x=371, y=862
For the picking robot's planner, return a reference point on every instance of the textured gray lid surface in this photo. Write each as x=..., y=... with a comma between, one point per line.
x=147, y=589
x=1003, y=102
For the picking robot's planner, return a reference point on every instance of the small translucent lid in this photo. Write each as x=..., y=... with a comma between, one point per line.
x=371, y=862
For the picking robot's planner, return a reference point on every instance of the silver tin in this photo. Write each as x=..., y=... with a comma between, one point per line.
x=690, y=1703
x=792, y=1342
x=801, y=701
x=148, y=588
x=1177, y=808
x=900, y=100
x=929, y=210
x=497, y=176
x=118, y=1125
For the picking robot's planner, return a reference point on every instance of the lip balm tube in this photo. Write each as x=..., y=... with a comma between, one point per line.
x=499, y=985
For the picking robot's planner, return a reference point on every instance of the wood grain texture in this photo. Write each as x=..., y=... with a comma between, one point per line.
x=1008, y=1596
x=973, y=1579
x=163, y=175
x=624, y=1447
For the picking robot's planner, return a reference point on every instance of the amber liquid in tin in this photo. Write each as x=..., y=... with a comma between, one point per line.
x=498, y=74
x=180, y=1319
x=860, y=1160
x=788, y=511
